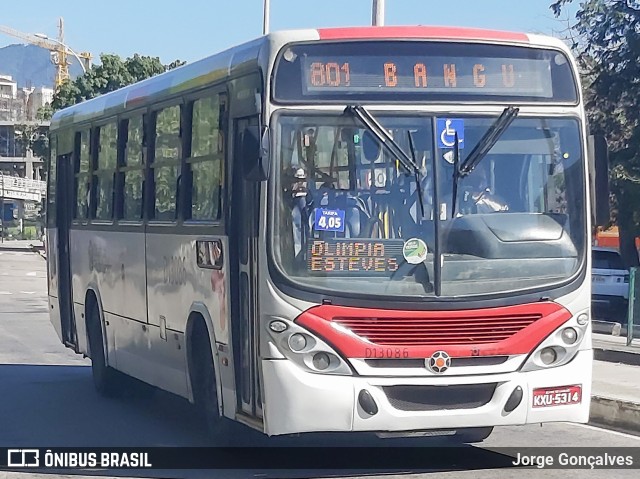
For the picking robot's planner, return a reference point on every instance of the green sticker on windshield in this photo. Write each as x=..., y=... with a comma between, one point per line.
x=414, y=251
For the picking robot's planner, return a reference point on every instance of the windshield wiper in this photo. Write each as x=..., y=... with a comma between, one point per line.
x=489, y=139
x=481, y=149
x=387, y=141
x=456, y=161
x=417, y=173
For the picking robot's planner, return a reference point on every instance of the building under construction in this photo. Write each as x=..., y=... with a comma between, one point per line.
x=19, y=104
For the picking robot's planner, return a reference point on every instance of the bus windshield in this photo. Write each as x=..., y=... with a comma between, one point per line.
x=348, y=217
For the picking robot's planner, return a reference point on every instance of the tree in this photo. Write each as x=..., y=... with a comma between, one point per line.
x=606, y=39
x=112, y=73
x=33, y=137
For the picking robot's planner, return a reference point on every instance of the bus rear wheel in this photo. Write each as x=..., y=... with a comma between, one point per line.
x=203, y=382
x=106, y=380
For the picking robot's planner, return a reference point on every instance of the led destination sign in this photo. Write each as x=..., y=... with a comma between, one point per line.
x=400, y=70
x=438, y=74
x=354, y=256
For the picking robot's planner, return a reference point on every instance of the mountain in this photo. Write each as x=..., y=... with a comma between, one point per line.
x=30, y=65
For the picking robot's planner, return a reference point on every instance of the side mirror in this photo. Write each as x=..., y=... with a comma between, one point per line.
x=599, y=179
x=254, y=153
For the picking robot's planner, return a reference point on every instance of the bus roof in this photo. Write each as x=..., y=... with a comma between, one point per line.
x=425, y=32
x=246, y=57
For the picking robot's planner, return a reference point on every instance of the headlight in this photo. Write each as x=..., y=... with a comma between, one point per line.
x=304, y=348
x=569, y=335
x=548, y=356
x=297, y=342
x=278, y=326
x=560, y=347
x=321, y=361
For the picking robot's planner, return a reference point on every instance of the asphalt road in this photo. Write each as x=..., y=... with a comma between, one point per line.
x=47, y=400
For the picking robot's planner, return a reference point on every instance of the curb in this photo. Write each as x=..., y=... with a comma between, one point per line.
x=614, y=329
x=616, y=414
x=616, y=356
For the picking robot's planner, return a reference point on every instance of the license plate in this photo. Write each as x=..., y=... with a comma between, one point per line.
x=557, y=396
x=598, y=279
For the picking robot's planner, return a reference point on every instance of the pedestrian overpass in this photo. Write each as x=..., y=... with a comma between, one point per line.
x=16, y=188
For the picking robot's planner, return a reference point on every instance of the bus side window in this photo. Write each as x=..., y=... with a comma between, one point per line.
x=82, y=175
x=166, y=162
x=132, y=169
x=104, y=174
x=207, y=157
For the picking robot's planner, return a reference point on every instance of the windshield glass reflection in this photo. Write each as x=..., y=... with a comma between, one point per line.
x=348, y=216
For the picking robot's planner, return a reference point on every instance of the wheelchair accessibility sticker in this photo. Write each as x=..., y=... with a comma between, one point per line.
x=329, y=220
x=446, y=129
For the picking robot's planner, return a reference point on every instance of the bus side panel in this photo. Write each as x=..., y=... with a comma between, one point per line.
x=175, y=282
x=142, y=354
x=111, y=264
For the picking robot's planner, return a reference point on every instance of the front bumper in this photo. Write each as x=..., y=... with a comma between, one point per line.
x=298, y=401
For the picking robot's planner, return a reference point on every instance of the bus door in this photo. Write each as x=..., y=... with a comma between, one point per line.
x=64, y=211
x=243, y=244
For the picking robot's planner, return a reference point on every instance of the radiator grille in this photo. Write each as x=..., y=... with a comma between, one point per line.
x=439, y=331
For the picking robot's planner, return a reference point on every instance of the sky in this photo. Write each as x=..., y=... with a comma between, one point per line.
x=192, y=29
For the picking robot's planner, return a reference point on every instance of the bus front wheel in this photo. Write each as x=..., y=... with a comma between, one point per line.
x=203, y=381
x=105, y=379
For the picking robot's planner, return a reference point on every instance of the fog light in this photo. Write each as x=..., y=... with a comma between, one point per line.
x=583, y=319
x=367, y=403
x=569, y=335
x=514, y=400
x=297, y=342
x=278, y=326
x=548, y=356
x=321, y=361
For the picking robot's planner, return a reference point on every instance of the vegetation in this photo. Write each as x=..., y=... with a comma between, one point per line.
x=606, y=40
x=112, y=73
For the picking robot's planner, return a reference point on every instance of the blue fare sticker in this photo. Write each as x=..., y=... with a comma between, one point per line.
x=446, y=129
x=329, y=220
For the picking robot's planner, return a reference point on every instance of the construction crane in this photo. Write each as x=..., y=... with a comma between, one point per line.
x=59, y=51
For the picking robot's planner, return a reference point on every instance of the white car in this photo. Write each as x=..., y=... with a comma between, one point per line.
x=609, y=284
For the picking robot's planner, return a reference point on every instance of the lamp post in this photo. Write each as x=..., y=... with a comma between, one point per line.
x=266, y=12
x=45, y=37
x=377, y=14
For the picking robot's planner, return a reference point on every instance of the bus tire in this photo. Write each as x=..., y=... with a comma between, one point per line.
x=106, y=380
x=203, y=381
x=473, y=434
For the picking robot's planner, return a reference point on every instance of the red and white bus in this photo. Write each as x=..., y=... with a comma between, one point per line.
x=376, y=229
